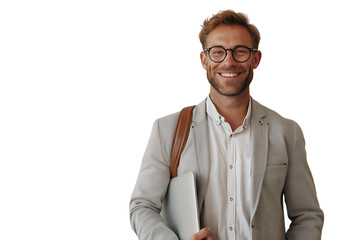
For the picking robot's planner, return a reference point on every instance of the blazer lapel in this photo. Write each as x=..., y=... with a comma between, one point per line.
x=200, y=136
x=259, y=149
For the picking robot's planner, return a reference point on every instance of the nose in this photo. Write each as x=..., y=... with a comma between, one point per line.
x=229, y=58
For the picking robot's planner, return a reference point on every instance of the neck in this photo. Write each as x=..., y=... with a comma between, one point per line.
x=232, y=108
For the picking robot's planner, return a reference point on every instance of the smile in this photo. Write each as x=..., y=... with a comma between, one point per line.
x=229, y=75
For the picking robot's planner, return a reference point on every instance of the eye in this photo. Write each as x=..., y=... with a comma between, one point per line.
x=241, y=51
x=217, y=51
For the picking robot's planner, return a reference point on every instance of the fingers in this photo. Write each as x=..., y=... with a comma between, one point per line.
x=202, y=234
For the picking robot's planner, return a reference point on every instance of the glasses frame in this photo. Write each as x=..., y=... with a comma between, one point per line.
x=232, y=53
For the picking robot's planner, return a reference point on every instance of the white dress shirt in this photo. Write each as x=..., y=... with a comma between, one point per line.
x=227, y=203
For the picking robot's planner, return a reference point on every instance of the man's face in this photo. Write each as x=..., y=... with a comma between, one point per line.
x=230, y=78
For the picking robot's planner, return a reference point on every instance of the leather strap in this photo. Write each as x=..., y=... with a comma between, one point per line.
x=181, y=135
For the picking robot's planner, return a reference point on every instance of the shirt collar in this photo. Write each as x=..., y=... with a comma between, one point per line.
x=215, y=116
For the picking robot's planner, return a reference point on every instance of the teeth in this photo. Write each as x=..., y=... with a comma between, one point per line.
x=229, y=74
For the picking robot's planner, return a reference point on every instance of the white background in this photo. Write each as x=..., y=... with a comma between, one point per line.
x=81, y=83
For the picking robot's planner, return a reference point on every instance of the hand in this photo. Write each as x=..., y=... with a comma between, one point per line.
x=202, y=234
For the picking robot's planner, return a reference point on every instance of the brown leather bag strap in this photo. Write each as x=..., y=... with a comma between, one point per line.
x=181, y=135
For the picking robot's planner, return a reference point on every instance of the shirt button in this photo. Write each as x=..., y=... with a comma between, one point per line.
x=230, y=228
x=231, y=166
x=231, y=199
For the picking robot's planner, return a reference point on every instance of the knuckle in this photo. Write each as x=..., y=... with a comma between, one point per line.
x=194, y=237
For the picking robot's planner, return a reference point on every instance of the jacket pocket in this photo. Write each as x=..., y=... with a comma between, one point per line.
x=276, y=168
x=274, y=179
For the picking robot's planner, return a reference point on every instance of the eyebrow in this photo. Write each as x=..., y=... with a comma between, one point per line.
x=236, y=46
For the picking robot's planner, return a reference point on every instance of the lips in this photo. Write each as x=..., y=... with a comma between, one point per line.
x=229, y=75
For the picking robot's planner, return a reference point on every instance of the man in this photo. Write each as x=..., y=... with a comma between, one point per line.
x=246, y=158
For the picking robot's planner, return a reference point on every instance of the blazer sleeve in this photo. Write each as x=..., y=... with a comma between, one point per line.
x=150, y=190
x=300, y=195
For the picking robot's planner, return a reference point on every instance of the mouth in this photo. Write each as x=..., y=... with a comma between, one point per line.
x=229, y=75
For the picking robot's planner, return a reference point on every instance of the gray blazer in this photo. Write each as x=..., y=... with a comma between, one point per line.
x=279, y=170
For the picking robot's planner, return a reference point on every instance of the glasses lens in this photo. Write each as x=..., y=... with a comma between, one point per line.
x=241, y=54
x=217, y=54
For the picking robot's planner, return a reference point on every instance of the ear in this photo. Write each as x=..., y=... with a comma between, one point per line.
x=256, y=59
x=203, y=59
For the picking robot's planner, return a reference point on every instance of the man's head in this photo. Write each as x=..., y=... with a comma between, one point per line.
x=228, y=17
x=230, y=52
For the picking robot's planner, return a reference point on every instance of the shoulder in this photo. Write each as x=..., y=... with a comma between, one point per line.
x=282, y=131
x=270, y=116
x=167, y=124
x=279, y=125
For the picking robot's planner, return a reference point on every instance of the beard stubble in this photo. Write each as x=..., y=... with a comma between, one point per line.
x=237, y=91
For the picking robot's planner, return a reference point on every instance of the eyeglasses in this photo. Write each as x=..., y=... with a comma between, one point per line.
x=240, y=54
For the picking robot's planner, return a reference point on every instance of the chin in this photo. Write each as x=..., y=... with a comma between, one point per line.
x=230, y=91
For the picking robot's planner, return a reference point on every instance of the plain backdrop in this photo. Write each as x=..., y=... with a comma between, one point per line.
x=81, y=83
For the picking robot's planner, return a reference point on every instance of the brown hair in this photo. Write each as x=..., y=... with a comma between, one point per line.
x=228, y=17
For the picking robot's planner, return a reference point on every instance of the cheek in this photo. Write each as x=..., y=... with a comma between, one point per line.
x=212, y=68
x=211, y=71
x=248, y=67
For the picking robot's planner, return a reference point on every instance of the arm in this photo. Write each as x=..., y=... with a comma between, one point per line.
x=300, y=194
x=150, y=190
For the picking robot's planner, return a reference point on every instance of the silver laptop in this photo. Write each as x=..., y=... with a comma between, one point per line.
x=180, y=208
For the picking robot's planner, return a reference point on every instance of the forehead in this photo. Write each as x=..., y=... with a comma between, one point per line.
x=229, y=36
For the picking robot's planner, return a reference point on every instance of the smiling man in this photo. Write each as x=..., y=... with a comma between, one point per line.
x=222, y=72
x=246, y=157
